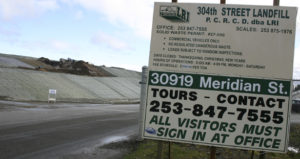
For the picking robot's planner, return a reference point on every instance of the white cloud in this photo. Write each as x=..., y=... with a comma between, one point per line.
x=68, y=2
x=297, y=64
x=79, y=15
x=131, y=66
x=10, y=9
x=110, y=41
x=60, y=45
x=296, y=72
x=135, y=14
x=9, y=32
x=54, y=46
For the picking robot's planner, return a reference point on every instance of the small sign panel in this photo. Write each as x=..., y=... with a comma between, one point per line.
x=174, y=13
x=220, y=75
x=52, y=91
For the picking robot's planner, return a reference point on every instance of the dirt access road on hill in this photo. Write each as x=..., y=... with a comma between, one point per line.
x=49, y=131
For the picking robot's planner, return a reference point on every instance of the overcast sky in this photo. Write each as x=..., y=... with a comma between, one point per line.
x=102, y=32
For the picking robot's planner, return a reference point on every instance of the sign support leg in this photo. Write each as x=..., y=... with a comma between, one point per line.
x=276, y=3
x=142, y=101
x=159, y=149
x=252, y=154
x=212, y=152
x=169, y=150
x=262, y=155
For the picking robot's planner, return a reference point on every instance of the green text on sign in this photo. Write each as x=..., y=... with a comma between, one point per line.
x=220, y=83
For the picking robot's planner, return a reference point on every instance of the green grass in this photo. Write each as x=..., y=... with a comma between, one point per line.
x=147, y=149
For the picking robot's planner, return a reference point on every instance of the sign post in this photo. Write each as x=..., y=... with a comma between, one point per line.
x=220, y=75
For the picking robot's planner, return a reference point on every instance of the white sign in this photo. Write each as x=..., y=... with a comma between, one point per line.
x=220, y=75
x=52, y=91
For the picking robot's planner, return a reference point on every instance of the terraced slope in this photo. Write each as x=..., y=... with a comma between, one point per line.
x=17, y=83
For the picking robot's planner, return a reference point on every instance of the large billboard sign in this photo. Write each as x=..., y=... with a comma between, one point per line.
x=221, y=75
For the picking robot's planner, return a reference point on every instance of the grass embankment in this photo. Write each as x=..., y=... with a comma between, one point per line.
x=148, y=150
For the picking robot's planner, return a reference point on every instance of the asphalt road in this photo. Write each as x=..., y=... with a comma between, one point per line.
x=39, y=130
x=66, y=130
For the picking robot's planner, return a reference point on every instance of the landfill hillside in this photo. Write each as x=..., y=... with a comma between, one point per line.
x=29, y=79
